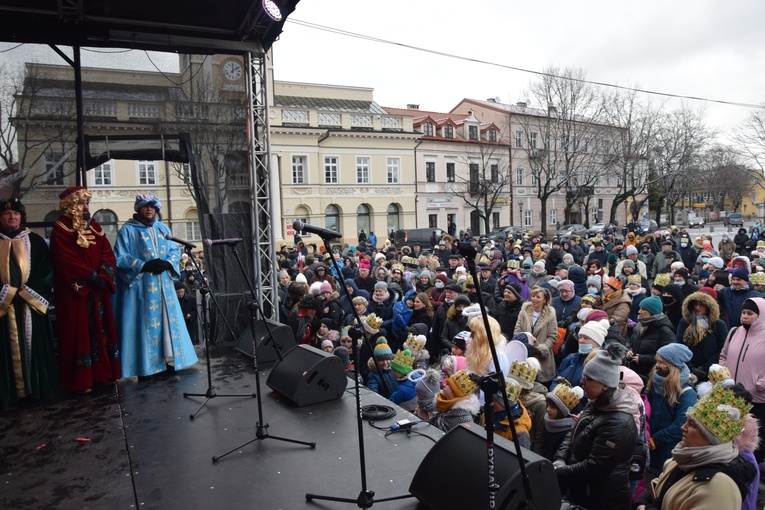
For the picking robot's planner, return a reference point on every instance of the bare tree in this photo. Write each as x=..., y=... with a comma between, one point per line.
x=487, y=180
x=749, y=138
x=568, y=129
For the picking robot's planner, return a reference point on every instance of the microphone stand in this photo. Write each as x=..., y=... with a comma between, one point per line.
x=261, y=427
x=210, y=393
x=366, y=497
x=490, y=383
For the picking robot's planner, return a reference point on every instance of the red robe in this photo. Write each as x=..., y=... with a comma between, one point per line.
x=88, y=350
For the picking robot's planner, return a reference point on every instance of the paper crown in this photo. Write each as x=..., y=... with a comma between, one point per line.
x=382, y=349
x=757, y=278
x=524, y=373
x=719, y=373
x=513, y=390
x=614, y=282
x=566, y=396
x=463, y=383
x=661, y=279
x=415, y=343
x=402, y=362
x=397, y=267
x=372, y=322
x=635, y=278
x=720, y=413
x=513, y=264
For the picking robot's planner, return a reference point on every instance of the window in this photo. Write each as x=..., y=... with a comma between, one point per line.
x=448, y=131
x=235, y=163
x=533, y=140
x=553, y=217
x=430, y=171
x=519, y=139
x=494, y=173
x=534, y=180
x=393, y=167
x=427, y=129
x=450, y=172
x=519, y=177
x=330, y=170
x=393, y=216
x=492, y=135
x=473, y=184
x=102, y=175
x=495, y=220
x=54, y=176
x=527, y=218
x=147, y=172
x=184, y=172
x=193, y=232
x=108, y=221
x=473, y=132
x=362, y=219
x=362, y=170
x=432, y=221
x=332, y=217
x=298, y=170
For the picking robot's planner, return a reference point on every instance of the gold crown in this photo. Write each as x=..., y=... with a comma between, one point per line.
x=513, y=264
x=721, y=412
x=566, y=394
x=397, y=267
x=635, y=278
x=463, y=383
x=413, y=344
x=373, y=321
x=718, y=373
x=524, y=373
x=513, y=390
x=402, y=362
x=661, y=279
x=757, y=278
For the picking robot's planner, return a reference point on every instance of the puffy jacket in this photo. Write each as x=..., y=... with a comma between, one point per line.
x=706, y=352
x=566, y=310
x=666, y=421
x=647, y=337
x=545, y=333
x=731, y=300
x=618, y=309
x=744, y=354
x=600, y=448
x=506, y=314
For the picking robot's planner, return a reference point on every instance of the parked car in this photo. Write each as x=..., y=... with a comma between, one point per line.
x=502, y=233
x=574, y=229
x=408, y=237
x=647, y=227
x=734, y=220
x=696, y=222
x=601, y=228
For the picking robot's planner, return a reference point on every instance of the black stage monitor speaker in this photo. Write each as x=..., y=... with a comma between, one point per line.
x=465, y=446
x=308, y=375
x=283, y=336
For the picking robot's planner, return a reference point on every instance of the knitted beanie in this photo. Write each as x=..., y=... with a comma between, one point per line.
x=382, y=350
x=381, y=285
x=595, y=330
x=594, y=282
x=342, y=353
x=604, y=368
x=596, y=315
x=717, y=262
x=327, y=343
x=676, y=354
x=325, y=287
x=566, y=285
x=428, y=385
x=300, y=278
x=402, y=362
x=652, y=304
x=741, y=273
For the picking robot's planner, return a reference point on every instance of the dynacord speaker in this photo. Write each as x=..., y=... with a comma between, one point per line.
x=308, y=375
x=283, y=337
x=462, y=453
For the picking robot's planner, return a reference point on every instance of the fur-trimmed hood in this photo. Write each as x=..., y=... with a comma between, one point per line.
x=705, y=299
x=748, y=440
x=469, y=403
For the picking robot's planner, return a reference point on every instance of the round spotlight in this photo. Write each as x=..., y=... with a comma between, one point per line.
x=272, y=10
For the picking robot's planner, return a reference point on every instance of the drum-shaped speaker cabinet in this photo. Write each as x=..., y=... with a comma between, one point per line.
x=462, y=453
x=308, y=375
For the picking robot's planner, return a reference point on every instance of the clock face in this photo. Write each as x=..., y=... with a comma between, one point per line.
x=232, y=70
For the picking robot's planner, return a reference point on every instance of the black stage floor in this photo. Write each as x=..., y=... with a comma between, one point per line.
x=134, y=446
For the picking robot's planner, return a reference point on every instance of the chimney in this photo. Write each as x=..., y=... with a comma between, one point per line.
x=491, y=100
x=522, y=104
x=412, y=106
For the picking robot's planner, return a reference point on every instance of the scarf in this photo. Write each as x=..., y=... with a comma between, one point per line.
x=614, y=295
x=426, y=404
x=445, y=404
x=696, y=330
x=688, y=458
x=380, y=299
x=645, y=322
x=559, y=425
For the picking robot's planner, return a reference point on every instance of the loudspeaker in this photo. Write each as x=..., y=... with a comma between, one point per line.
x=308, y=375
x=462, y=454
x=283, y=336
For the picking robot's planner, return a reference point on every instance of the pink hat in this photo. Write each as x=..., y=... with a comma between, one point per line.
x=596, y=315
x=364, y=263
x=325, y=287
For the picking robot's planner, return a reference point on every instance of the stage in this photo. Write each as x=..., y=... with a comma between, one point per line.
x=134, y=446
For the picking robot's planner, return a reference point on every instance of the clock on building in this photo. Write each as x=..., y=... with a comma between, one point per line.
x=232, y=70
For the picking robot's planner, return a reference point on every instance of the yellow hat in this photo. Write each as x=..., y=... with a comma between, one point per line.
x=718, y=373
x=720, y=413
x=463, y=383
x=523, y=373
x=661, y=279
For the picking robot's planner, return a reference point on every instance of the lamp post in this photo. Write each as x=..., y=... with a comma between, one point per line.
x=520, y=211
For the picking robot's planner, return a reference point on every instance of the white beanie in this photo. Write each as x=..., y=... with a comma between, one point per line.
x=596, y=330
x=717, y=262
x=300, y=278
x=315, y=288
x=631, y=250
x=676, y=265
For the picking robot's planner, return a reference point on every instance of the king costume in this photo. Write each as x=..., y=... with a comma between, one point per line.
x=88, y=350
x=27, y=356
x=151, y=324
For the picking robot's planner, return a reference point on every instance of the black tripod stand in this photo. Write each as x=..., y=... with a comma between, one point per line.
x=261, y=427
x=366, y=497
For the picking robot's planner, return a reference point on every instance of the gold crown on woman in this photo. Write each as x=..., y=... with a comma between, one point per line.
x=373, y=321
x=721, y=412
x=413, y=344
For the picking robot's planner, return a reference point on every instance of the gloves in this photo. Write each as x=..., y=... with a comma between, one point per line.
x=149, y=266
x=156, y=266
x=163, y=265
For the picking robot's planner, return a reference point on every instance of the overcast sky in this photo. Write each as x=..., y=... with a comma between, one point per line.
x=705, y=48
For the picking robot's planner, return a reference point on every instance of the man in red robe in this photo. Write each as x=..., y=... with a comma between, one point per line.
x=83, y=284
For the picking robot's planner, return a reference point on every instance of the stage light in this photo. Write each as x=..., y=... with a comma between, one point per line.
x=272, y=10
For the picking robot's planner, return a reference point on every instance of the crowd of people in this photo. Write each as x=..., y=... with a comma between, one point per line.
x=118, y=310
x=634, y=365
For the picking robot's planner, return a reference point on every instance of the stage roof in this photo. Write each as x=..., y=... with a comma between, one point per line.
x=189, y=26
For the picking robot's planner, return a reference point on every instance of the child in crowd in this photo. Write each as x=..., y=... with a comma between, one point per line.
x=427, y=387
x=456, y=361
x=327, y=346
x=383, y=355
x=458, y=402
x=561, y=401
x=405, y=394
x=532, y=397
x=416, y=345
x=517, y=412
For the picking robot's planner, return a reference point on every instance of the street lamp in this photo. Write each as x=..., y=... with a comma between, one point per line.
x=520, y=210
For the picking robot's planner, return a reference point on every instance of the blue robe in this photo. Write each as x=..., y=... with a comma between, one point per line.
x=149, y=317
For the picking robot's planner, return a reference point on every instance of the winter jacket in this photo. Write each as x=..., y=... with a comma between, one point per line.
x=666, y=421
x=535, y=403
x=506, y=314
x=455, y=322
x=383, y=310
x=566, y=310
x=744, y=354
x=647, y=337
x=545, y=333
x=732, y=300
x=618, y=309
x=405, y=395
x=374, y=380
x=642, y=270
x=602, y=442
x=571, y=369
x=577, y=275
x=707, y=351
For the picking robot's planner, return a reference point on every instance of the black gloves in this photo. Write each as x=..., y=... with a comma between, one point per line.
x=156, y=266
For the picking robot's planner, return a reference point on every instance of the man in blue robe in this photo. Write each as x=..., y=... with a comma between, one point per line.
x=150, y=322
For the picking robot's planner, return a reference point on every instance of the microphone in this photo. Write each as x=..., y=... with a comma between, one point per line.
x=181, y=241
x=324, y=233
x=228, y=242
